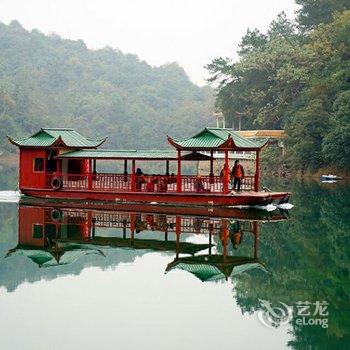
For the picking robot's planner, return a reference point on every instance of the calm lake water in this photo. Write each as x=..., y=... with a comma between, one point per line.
x=94, y=279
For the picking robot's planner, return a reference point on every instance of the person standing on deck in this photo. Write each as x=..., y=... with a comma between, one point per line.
x=238, y=175
x=140, y=179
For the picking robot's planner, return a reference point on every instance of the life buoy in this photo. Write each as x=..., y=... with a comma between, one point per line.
x=56, y=214
x=56, y=183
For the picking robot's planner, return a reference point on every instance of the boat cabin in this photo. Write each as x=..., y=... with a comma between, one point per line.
x=38, y=155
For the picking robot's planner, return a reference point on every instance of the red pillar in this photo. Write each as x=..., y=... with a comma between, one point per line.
x=132, y=227
x=257, y=172
x=88, y=226
x=178, y=233
x=224, y=238
x=90, y=175
x=211, y=175
x=226, y=172
x=133, y=176
x=179, y=179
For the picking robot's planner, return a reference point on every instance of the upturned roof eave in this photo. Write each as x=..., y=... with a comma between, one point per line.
x=228, y=144
x=56, y=143
x=177, y=145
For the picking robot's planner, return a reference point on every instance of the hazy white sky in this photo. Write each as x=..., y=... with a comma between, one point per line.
x=191, y=32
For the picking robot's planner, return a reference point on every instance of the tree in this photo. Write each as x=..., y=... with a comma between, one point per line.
x=315, y=12
x=267, y=79
x=305, y=135
x=336, y=144
x=289, y=79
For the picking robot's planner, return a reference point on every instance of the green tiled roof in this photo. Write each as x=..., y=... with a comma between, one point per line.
x=45, y=258
x=166, y=154
x=213, y=267
x=47, y=137
x=121, y=154
x=213, y=138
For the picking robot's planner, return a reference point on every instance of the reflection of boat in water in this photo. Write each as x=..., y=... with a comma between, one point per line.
x=51, y=256
x=210, y=267
x=215, y=267
x=220, y=212
x=50, y=236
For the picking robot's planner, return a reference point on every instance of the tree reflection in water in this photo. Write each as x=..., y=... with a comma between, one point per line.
x=304, y=258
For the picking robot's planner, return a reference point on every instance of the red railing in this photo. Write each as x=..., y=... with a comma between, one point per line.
x=103, y=181
x=144, y=183
x=215, y=184
x=71, y=181
x=248, y=183
x=155, y=183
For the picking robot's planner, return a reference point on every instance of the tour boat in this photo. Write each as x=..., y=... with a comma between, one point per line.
x=61, y=163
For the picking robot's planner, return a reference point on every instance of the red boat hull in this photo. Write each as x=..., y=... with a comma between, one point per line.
x=207, y=199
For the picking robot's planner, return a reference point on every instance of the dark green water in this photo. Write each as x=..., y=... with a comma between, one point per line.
x=124, y=299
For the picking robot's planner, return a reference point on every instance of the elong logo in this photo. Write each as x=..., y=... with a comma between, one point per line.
x=282, y=314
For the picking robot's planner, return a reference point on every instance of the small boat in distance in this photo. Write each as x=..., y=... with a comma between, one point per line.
x=61, y=164
x=330, y=178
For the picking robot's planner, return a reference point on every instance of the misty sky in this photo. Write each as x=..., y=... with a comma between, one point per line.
x=191, y=32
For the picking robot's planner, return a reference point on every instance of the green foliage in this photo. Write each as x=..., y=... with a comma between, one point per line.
x=336, y=144
x=49, y=81
x=314, y=12
x=306, y=131
x=269, y=76
x=291, y=79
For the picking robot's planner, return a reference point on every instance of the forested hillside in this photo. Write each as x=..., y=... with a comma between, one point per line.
x=297, y=77
x=49, y=81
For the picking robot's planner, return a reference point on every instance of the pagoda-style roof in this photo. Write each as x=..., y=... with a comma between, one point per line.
x=215, y=267
x=57, y=137
x=217, y=139
x=131, y=154
x=45, y=257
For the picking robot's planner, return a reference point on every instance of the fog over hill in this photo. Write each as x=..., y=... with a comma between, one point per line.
x=50, y=81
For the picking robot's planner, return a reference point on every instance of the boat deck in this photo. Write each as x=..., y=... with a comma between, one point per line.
x=162, y=183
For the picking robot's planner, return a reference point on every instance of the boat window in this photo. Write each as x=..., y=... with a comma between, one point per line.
x=38, y=164
x=51, y=162
x=37, y=231
x=75, y=166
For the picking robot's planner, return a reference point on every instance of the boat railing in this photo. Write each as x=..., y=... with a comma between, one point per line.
x=143, y=183
x=192, y=183
x=215, y=184
x=248, y=183
x=106, y=181
x=68, y=181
